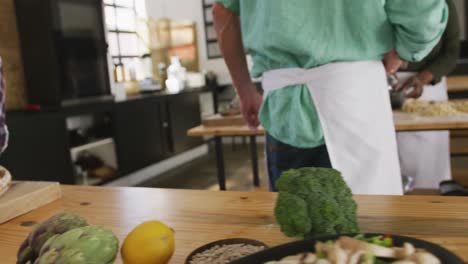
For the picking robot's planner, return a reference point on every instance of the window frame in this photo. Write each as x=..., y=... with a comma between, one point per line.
x=120, y=57
x=207, y=24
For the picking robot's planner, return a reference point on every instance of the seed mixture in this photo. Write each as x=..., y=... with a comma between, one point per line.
x=435, y=109
x=225, y=254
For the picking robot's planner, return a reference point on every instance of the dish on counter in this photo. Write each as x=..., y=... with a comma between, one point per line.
x=435, y=109
x=225, y=251
x=364, y=249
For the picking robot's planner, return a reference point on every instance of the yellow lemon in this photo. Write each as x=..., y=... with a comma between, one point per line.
x=149, y=243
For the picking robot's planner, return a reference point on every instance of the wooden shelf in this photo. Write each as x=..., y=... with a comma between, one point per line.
x=89, y=182
x=91, y=145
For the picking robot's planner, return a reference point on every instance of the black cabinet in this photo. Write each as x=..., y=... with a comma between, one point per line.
x=145, y=130
x=138, y=134
x=184, y=113
x=38, y=148
x=150, y=130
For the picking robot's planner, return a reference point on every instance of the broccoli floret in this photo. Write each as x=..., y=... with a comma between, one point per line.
x=314, y=202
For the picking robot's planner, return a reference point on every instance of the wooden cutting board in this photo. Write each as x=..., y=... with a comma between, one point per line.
x=23, y=197
x=221, y=121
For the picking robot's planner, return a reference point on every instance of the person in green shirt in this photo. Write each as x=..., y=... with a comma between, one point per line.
x=286, y=38
x=425, y=156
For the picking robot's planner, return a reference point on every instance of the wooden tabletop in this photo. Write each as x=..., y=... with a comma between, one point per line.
x=413, y=122
x=457, y=83
x=201, y=131
x=403, y=122
x=200, y=217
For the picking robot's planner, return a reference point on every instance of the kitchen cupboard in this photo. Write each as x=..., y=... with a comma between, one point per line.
x=38, y=148
x=144, y=130
x=183, y=113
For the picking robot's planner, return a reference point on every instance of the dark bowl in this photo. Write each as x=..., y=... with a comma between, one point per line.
x=397, y=99
x=299, y=247
x=230, y=241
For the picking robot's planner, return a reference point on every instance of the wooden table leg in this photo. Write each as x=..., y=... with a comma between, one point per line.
x=254, y=157
x=220, y=163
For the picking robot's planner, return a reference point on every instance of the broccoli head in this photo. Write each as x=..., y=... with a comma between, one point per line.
x=314, y=202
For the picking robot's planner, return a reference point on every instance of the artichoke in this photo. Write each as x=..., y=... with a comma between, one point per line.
x=85, y=245
x=57, y=224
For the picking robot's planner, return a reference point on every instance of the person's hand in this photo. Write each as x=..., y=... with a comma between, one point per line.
x=392, y=62
x=414, y=86
x=250, y=104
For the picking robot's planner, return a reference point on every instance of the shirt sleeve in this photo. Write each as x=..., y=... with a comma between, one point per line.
x=419, y=26
x=447, y=58
x=233, y=5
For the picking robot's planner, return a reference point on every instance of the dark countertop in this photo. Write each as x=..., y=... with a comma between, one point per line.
x=164, y=94
x=104, y=104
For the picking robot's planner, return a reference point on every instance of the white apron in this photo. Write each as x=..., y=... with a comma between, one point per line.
x=425, y=156
x=354, y=108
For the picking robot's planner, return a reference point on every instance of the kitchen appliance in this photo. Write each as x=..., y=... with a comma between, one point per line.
x=64, y=51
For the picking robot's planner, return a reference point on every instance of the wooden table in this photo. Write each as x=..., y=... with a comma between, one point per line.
x=457, y=83
x=218, y=133
x=404, y=122
x=200, y=217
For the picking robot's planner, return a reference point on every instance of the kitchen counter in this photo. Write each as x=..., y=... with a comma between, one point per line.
x=164, y=93
x=457, y=83
x=200, y=217
x=403, y=122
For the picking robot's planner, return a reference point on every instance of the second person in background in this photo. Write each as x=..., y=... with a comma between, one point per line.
x=425, y=156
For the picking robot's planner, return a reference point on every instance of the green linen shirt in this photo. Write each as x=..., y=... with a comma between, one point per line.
x=309, y=33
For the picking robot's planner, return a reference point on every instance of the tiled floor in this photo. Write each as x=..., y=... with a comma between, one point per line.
x=202, y=174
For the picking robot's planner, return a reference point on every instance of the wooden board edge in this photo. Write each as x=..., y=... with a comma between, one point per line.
x=54, y=193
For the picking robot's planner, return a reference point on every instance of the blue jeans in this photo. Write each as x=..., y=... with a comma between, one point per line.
x=282, y=157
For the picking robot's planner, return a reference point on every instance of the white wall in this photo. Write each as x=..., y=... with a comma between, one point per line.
x=191, y=10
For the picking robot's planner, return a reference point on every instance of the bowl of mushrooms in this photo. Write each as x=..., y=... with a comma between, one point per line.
x=355, y=249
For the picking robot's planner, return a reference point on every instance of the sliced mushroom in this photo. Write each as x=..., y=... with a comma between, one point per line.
x=355, y=258
x=403, y=253
x=335, y=253
x=309, y=259
x=323, y=261
x=356, y=245
x=424, y=258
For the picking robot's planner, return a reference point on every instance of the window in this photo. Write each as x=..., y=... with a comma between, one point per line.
x=127, y=31
x=212, y=48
